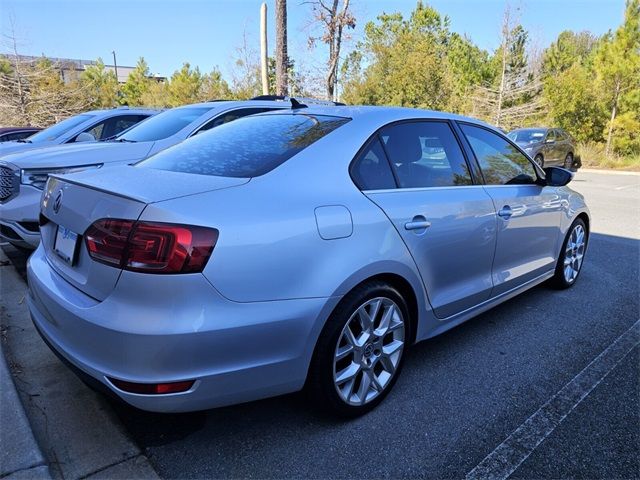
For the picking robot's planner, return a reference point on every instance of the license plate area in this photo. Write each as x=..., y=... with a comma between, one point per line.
x=65, y=244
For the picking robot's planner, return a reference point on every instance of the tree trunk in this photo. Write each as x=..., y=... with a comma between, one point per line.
x=282, y=60
x=263, y=49
x=503, y=73
x=607, y=149
x=336, y=26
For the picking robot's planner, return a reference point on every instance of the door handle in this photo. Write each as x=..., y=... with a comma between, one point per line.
x=417, y=225
x=505, y=212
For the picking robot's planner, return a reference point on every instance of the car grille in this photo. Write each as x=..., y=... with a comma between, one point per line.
x=9, y=183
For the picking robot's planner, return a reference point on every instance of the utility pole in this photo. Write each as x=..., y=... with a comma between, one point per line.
x=263, y=49
x=115, y=65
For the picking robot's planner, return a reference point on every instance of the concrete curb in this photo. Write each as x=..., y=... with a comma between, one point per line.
x=80, y=435
x=20, y=456
x=608, y=172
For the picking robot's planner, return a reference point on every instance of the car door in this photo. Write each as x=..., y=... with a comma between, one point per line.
x=563, y=144
x=549, y=149
x=528, y=214
x=418, y=175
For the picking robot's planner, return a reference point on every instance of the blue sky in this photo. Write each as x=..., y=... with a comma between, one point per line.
x=207, y=32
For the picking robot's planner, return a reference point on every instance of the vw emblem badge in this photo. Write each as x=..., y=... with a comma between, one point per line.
x=57, y=203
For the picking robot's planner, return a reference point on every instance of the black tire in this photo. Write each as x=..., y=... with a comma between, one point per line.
x=320, y=384
x=568, y=161
x=539, y=160
x=559, y=280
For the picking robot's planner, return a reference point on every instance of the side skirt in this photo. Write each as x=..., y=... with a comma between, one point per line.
x=465, y=315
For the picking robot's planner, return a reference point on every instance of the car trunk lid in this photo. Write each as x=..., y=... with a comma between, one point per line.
x=72, y=203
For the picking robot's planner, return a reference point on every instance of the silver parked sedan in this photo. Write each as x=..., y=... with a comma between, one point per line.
x=307, y=247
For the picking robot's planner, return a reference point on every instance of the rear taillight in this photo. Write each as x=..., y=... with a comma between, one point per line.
x=150, y=247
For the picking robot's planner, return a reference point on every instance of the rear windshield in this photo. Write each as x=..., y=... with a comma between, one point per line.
x=164, y=124
x=248, y=147
x=60, y=128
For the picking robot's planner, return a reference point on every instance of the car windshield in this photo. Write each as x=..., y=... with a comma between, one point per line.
x=248, y=147
x=163, y=125
x=527, y=136
x=59, y=129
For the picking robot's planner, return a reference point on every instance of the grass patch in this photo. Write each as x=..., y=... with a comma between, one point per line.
x=593, y=156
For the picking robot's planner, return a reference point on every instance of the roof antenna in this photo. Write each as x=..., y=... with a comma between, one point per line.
x=295, y=104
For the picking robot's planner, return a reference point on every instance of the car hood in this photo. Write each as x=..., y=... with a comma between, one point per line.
x=12, y=147
x=148, y=185
x=80, y=154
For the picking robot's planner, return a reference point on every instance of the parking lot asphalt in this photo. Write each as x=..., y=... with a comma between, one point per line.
x=462, y=394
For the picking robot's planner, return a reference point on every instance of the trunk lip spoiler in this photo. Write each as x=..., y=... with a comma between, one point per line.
x=62, y=177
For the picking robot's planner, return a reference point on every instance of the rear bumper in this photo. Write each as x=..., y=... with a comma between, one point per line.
x=235, y=352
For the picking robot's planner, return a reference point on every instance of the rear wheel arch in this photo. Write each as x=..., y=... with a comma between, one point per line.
x=402, y=285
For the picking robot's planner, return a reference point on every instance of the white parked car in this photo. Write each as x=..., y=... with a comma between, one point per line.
x=23, y=175
x=85, y=127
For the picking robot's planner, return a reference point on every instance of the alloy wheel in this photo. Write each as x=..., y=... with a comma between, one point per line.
x=574, y=253
x=369, y=351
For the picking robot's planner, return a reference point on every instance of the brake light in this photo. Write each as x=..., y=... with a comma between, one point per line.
x=150, y=247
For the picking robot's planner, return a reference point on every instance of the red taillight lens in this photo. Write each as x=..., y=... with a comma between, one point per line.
x=107, y=240
x=150, y=247
x=152, y=388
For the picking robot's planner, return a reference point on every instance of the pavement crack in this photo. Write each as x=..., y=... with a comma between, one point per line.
x=101, y=469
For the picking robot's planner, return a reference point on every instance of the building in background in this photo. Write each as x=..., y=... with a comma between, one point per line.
x=71, y=68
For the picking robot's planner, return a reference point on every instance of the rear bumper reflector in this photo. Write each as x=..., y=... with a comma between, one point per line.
x=152, y=388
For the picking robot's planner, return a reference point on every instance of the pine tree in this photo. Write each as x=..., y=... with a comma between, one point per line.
x=137, y=84
x=617, y=65
x=100, y=85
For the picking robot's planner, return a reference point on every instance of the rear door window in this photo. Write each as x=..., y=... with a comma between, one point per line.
x=248, y=147
x=425, y=154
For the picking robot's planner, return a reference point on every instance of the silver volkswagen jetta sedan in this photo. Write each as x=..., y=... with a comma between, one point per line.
x=307, y=247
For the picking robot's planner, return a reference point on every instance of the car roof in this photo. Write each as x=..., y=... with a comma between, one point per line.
x=238, y=103
x=380, y=114
x=529, y=129
x=123, y=111
x=17, y=129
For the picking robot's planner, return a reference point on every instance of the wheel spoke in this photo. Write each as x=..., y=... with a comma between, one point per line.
x=385, y=322
x=350, y=337
x=344, y=352
x=387, y=364
x=348, y=373
x=365, y=386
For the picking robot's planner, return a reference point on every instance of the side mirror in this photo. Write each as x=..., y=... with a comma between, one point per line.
x=85, y=137
x=549, y=140
x=557, y=177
